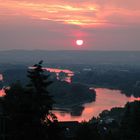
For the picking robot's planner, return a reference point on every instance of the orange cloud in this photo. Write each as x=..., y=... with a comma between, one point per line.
x=89, y=13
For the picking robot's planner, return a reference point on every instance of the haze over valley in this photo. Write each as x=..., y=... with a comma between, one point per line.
x=71, y=57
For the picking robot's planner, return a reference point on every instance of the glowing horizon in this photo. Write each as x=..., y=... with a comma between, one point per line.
x=56, y=24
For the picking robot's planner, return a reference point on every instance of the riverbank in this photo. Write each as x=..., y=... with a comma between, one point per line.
x=105, y=100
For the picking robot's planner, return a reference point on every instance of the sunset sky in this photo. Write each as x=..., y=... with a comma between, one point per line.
x=57, y=24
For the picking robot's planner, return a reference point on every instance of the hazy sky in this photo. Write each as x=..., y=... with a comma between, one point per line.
x=57, y=24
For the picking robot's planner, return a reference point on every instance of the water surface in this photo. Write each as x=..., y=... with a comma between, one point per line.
x=105, y=100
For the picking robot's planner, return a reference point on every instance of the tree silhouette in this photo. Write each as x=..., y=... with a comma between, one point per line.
x=130, y=128
x=28, y=109
x=37, y=88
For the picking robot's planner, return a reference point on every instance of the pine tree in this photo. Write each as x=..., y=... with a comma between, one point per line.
x=37, y=89
x=40, y=102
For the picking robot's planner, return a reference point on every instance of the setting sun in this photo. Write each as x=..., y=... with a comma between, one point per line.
x=79, y=42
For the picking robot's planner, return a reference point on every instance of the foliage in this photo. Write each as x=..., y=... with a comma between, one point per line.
x=87, y=131
x=130, y=125
x=28, y=108
x=125, y=124
x=38, y=90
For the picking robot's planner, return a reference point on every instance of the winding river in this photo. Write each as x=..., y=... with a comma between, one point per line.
x=105, y=100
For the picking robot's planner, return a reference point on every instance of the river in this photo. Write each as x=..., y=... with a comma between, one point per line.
x=105, y=100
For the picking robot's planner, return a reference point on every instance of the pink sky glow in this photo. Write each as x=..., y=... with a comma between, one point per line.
x=56, y=24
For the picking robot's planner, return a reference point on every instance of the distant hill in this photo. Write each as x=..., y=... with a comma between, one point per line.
x=70, y=57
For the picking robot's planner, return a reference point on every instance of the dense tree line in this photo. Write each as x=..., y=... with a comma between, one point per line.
x=127, y=81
